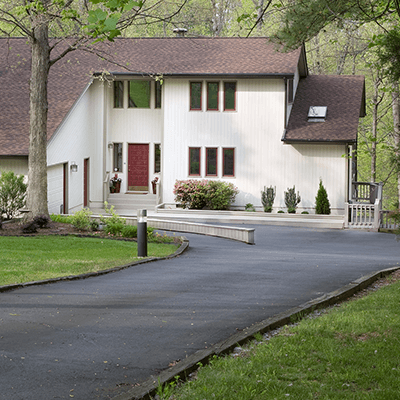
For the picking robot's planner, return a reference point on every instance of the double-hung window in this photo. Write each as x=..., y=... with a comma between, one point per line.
x=228, y=161
x=139, y=94
x=158, y=93
x=229, y=96
x=212, y=161
x=290, y=91
x=194, y=161
x=117, y=157
x=195, y=95
x=118, y=94
x=212, y=96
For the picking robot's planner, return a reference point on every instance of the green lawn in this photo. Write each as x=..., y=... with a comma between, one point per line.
x=350, y=352
x=25, y=259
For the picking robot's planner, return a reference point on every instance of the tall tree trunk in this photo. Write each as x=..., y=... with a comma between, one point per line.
x=37, y=165
x=396, y=130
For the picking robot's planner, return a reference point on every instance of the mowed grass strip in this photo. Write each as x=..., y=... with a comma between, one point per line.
x=351, y=352
x=25, y=259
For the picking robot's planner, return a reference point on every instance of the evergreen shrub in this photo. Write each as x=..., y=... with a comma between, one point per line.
x=322, y=205
x=268, y=197
x=292, y=199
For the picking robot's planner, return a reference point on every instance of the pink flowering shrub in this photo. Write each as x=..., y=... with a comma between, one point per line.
x=197, y=194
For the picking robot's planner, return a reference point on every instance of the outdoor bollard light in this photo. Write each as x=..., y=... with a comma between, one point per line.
x=142, y=233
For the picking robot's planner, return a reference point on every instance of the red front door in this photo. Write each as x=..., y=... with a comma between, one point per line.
x=138, y=167
x=85, y=182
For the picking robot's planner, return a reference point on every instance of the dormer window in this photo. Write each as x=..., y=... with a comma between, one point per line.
x=317, y=113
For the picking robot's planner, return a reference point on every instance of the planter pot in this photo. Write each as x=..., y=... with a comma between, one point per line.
x=154, y=185
x=117, y=187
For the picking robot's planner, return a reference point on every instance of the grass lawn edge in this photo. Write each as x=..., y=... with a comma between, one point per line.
x=182, y=248
x=181, y=371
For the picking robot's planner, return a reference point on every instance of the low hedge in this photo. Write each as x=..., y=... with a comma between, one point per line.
x=199, y=194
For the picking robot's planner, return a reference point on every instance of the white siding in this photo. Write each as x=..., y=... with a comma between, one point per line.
x=133, y=125
x=255, y=131
x=55, y=188
x=80, y=136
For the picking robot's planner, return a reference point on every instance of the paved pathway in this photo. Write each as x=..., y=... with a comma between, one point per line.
x=93, y=338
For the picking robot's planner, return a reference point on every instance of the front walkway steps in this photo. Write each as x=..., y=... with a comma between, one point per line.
x=127, y=204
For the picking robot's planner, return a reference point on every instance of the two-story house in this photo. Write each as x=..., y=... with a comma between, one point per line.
x=232, y=109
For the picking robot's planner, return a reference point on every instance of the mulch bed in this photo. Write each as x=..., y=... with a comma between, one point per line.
x=14, y=228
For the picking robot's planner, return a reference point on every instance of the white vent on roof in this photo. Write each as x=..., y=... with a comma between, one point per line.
x=317, y=113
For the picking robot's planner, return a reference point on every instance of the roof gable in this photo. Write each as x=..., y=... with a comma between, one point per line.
x=344, y=96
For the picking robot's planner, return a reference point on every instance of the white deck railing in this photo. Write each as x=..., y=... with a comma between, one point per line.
x=364, y=211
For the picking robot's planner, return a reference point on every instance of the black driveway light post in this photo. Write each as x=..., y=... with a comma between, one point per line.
x=142, y=233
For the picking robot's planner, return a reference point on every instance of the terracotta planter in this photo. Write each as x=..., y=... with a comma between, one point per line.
x=154, y=187
x=117, y=187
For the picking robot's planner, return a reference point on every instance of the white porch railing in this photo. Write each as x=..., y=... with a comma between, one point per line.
x=364, y=210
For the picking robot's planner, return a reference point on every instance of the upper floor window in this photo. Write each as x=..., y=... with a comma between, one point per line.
x=139, y=94
x=158, y=93
x=229, y=96
x=212, y=96
x=195, y=95
x=118, y=94
x=290, y=92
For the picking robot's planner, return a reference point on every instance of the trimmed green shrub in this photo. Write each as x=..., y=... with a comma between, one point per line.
x=81, y=219
x=197, y=194
x=12, y=193
x=129, y=231
x=249, y=207
x=292, y=199
x=268, y=197
x=322, y=205
x=65, y=219
x=281, y=212
x=305, y=212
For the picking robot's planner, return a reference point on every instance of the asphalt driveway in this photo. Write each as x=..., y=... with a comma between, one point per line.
x=93, y=338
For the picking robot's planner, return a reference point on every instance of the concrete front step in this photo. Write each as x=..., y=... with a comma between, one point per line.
x=128, y=204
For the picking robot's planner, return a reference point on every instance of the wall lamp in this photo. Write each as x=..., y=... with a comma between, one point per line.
x=74, y=166
x=110, y=145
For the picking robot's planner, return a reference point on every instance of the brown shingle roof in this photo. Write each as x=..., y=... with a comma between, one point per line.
x=344, y=95
x=168, y=56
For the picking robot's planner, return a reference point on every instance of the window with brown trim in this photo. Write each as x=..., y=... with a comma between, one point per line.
x=118, y=94
x=195, y=95
x=212, y=161
x=228, y=161
x=212, y=96
x=229, y=96
x=117, y=157
x=139, y=94
x=158, y=92
x=194, y=161
x=157, y=157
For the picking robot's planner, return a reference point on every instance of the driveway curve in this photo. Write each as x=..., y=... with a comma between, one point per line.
x=95, y=338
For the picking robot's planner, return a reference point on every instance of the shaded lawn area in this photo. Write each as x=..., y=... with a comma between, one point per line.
x=25, y=259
